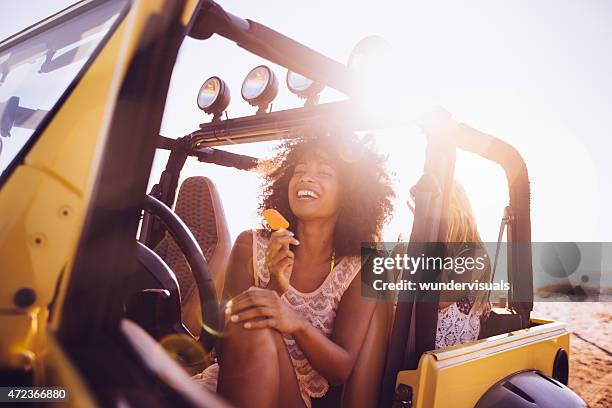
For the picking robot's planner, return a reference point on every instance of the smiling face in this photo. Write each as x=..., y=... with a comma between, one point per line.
x=314, y=189
x=311, y=178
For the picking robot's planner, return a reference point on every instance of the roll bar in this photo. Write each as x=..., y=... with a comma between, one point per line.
x=165, y=189
x=287, y=124
x=431, y=195
x=271, y=45
x=520, y=268
x=207, y=154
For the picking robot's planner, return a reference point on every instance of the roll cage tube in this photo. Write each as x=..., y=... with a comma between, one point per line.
x=286, y=124
x=405, y=349
x=271, y=45
x=520, y=267
x=152, y=230
x=207, y=154
x=419, y=312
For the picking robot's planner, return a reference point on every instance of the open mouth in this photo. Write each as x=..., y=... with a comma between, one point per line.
x=306, y=195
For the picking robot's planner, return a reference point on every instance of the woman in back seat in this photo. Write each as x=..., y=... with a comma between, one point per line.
x=296, y=320
x=460, y=312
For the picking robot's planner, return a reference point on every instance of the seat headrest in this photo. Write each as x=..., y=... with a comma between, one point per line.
x=195, y=207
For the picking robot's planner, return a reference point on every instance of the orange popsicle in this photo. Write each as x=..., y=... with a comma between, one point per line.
x=275, y=219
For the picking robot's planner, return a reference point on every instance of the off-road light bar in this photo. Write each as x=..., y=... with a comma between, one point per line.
x=260, y=87
x=303, y=87
x=214, y=97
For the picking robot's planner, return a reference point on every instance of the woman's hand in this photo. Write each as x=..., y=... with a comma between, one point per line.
x=279, y=259
x=258, y=308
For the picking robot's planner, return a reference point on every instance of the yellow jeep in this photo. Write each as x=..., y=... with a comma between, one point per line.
x=84, y=305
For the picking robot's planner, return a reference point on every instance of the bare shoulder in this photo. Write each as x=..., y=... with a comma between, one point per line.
x=244, y=240
x=242, y=251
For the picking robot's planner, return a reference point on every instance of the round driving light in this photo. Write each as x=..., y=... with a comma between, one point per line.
x=371, y=53
x=260, y=87
x=214, y=96
x=298, y=83
x=303, y=87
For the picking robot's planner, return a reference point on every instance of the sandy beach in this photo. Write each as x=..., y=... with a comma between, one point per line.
x=590, y=325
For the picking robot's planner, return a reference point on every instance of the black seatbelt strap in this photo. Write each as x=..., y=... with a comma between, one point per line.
x=502, y=227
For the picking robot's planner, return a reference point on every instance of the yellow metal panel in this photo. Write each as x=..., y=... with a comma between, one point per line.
x=188, y=10
x=37, y=230
x=462, y=380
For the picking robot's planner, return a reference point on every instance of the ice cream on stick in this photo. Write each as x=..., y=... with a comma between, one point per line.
x=275, y=219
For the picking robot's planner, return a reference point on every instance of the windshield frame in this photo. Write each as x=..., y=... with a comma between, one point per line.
x=69, y=13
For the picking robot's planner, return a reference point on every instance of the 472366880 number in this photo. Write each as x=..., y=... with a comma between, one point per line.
x=33, y=394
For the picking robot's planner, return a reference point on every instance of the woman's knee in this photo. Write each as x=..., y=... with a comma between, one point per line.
x=248, y=342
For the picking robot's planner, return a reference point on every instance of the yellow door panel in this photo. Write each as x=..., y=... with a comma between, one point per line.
x=460, y=375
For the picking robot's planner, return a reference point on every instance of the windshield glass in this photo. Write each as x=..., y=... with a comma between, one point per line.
x=37, y=68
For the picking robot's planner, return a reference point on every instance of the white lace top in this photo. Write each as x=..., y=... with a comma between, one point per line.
x=318, y=308
x=458, y=323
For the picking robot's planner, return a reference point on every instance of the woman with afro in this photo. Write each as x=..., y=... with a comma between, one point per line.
x=296, y=319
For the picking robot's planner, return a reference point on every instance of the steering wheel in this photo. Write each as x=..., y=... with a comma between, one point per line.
x=190, y=248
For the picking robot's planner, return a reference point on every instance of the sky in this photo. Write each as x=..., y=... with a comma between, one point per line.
x=535, y=74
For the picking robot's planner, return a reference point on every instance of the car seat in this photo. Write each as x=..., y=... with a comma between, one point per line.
x=199, y=206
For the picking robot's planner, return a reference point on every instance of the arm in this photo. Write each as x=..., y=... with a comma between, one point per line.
x=239, y=275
